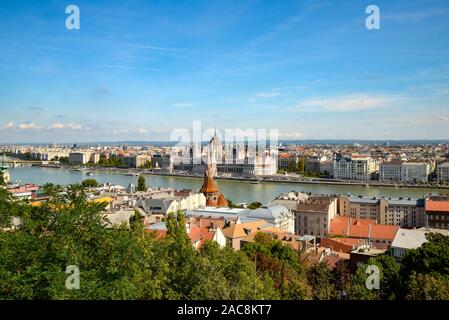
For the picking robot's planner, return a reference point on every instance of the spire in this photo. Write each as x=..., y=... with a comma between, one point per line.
x=213, y=196
x=208, y=184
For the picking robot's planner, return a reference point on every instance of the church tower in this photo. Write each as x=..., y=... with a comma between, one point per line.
x=214, y=198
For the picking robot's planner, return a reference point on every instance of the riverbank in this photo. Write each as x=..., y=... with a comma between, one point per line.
x=282, y=179
x=238, y=190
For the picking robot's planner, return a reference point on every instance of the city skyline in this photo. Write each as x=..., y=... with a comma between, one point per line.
x=310, y=69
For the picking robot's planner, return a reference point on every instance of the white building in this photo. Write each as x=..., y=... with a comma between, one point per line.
x=354, y=168
x=164, y=204
x=274, y=215
x=404, y=171
x=277, y=215
x=407, y=239
x=224, y=159
x=443, y=172
x=83, y=157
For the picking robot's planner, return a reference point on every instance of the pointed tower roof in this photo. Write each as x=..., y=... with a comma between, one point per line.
x=215, y=141
x=222, y=202
x=208, y=183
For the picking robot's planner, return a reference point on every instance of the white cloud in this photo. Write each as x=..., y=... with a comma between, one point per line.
x=121, y=131
x=443, y=118
x=350, y=102
x=417, y=15
x=30, y=126
x=68, y=126
x=267, y=95
x=290, y=135
x=22, y=126
x=183, y=104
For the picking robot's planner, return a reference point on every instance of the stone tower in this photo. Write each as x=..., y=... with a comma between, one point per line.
x=214, y=198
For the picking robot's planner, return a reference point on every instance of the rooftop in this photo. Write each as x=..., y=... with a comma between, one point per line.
x=318, y=203
x=437, y=205
x=361, y=228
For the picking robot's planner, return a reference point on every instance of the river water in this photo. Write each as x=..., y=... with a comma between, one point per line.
x=237, y=191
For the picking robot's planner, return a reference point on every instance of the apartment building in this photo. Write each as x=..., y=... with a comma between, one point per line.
x=83, y=157
x=404, y=171
x=403, y=212
x=313, y=164
x=136, y=160
x=49, y=154
x=443, y=172
x=313, y=215
x=437, y=212
x=287, y=161
x=327, y=168
x=355, y=168
x=359, y=207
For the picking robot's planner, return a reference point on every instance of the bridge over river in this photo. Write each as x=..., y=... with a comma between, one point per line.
x=14, y=162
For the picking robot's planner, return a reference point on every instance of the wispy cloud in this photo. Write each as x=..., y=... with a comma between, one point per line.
x=143, y=130
x=287, y=23
x=30, y=126
x=125, y=67
x=183, y=104
x=291, y=135
x=138, y=57
x=417, y=15
x=442, y=119
x=140, y=46
x=35, y=109
x=350, y=102
x=22, y=126
x=68, y=126
x=269, y=94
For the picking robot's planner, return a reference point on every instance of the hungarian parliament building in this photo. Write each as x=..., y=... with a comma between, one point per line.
x=235, y=160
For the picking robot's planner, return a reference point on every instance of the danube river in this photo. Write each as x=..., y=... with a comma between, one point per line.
x=237, y=191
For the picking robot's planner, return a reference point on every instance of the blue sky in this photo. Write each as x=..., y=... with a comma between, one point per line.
x=138, y=69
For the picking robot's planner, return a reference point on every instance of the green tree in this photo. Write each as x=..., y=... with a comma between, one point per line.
x=254, y=205
x=281, y=263
x=431, y=258
x=114, y=263
x=232, y=204
x=388, y=280
x=320, y=278
x=301, y=165
x=141, y=184
x=427, y=287
x=89, y=183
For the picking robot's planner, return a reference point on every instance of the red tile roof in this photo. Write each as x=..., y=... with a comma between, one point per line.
x=435, y=205
x=345, y=245
x=198, y=233
x=360, y=228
